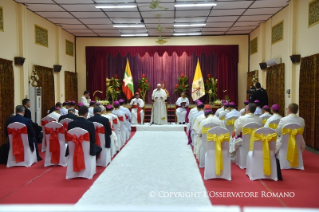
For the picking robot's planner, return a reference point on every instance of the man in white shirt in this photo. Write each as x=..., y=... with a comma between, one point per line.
x=159, y=111
x=85, y=99
x=242, y=111
x=72, y=106
x=265, y=113
x=91, y=109
x=182, y=108
x=222, y=114
x=258, y=111
x=291, y=118
x=218, y=111
x=64, y=109
x=275, y=111
x=127, y=114
x=55, y=114
x=137, y=109
x=232, y=112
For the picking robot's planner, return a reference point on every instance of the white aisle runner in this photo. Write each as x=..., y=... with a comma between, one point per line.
x=153, y=163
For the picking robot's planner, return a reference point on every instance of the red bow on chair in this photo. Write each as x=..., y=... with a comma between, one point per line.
x=97, y=137
x=78, y=157
x=17, y=144
x=54, y=143
x=114, y=121
x=65, y=126
x=121, y=118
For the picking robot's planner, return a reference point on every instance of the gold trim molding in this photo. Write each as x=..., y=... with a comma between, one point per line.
x=254, y=46
x=313, y=13
x=277, y=32
x=69, y=48
x=1, y=20
x=41, y=36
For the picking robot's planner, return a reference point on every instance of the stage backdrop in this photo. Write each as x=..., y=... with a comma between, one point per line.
x=163, y=64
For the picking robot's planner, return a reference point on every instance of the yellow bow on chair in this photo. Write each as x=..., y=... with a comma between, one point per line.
x=230, y=122
x=264, y=121
x=222, y=118
x=266, y=154
x=205, y=129
x=218, y=149
x=292, y=151
x=273, y=126
x=249, y=131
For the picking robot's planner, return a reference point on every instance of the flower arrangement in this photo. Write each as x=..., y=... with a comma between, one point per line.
x=217, y=102
x=113, y=88
x=34, y=78
x=143, y=86
x=103, y=102
x=211, y=87
x=182, y=85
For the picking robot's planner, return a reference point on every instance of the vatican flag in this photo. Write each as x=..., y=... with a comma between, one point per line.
x=198, y=89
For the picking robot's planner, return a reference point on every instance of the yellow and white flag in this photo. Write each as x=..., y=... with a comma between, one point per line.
x=198, y=89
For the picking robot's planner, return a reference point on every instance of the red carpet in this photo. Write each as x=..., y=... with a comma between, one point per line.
x=38, y=184
x=304, y=184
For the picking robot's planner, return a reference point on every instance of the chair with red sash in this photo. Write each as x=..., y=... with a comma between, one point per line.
x=65, y=123
x=44, y=121
x=80, y=163
x=113, y=148
x=117, y=131
x=56, y=146
x=105, y=156
x=20, y=153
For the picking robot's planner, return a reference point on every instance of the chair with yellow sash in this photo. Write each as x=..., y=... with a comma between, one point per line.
x=274, y=124
x=261, y=160
x=222, y=117
x=264, y=118
x=230, y=122
x=217, y=159
x=242, y=151
x=203, y=146
x=290, y=153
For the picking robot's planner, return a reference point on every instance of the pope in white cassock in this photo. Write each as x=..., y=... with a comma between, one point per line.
x=159, y=112
x=182, y=108
x=137, y=109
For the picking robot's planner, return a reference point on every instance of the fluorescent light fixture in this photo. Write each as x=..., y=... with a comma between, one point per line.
x=183, y=34
x=190, y=25
x=110, y=6
x=129, y=25
x=133, y=35
x=196, y=5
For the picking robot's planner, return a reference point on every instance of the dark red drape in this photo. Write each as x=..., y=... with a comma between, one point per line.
x=163, y=64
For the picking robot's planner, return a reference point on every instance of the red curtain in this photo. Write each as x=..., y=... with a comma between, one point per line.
x=162, y=64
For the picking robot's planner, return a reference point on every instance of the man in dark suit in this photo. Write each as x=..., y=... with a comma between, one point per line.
x=105, y=121
x=260, y=94
x=27, y=114
x=81, y=122
x=19, y=117
x=70, y=115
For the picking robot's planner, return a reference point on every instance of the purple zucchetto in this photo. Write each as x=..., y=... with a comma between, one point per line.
x=226, y=104
x=57, y=108
x=246, y=102
x=256, y=101
x=92, y=101
x=224, y=101
x=116, y=103
x=266, y=107
x=208, y=111
x=80, y=104
x=109, y=107
x=232, y=104
x=275, y=107
x=121, y=101
x=197, y=100
x=199, y=103
x=73, y=102
x=98, y=103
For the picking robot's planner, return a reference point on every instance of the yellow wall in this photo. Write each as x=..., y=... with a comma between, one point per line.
x=298, y=39
x=241, y=40
x=18, y=40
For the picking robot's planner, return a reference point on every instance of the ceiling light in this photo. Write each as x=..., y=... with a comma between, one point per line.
x=110, y=6
x=133, y=35
x=183, y=34
x=190, y=25
x=129, y=25
x=196, y=5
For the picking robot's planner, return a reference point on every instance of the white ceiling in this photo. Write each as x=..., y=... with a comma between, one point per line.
x=81, y=18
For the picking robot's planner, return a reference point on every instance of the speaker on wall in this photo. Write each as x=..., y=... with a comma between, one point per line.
x=19, y=61
x=295, y=58
x=263, y=65
x=57, y=68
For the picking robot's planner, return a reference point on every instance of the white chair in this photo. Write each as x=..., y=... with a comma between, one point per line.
x=44, y=121
x=242, y=151
x=210, y=157
x=203, y=147
x=222, y=117
x=117, y=131
x=29, y=156
x=67, y=121
x=264, y=117
x=105, y=156
x=282, y=154
x=255, y=166
x=90, y=161
x=61, y=138
x=230, y=127
x=274, y=123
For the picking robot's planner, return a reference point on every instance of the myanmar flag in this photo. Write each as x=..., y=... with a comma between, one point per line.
x=198, y=89
x=127, y=86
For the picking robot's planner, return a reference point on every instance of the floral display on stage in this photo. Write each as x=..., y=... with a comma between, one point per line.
x=182, y=85
x=113, y=88
x=143, y=86
x=103, y=102
x=211, y=88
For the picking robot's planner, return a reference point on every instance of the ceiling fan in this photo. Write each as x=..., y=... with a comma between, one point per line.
x=154, y=5
x=159, y=28
x=161, y=40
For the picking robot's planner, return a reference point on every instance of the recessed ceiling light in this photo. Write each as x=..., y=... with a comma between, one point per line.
x=190, y=25
x=129, y=25
x=110, y=6
x=196, y=5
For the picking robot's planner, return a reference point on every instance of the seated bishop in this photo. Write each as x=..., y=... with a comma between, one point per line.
x=222, y=114
x=232, y=112
x=182, y=108
x=71, y=115
x=219, y=110
x=275, y=116
x=265, y=113
x=64, y=108
x=137, y=109
x=258, y=111
x=242, y=111
x=55, y=114
x=121, y=116
x=113, y=119
x=127, y=114
x=200, y=111
x=72, y=106
x=91, y=108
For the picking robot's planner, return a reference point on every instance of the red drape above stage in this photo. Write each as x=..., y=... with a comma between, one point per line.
x=163, y=64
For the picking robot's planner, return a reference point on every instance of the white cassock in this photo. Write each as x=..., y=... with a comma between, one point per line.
x=85, y=101
x=128, y=117
x=159, y=111
x=195, y=128
x=242, y=111
x=55, y=116
x=125, y=133
x=136, y=108
x=218, y=111
x=290, y=119
x=110, y=117
x=91, y=112
x=191, y=113
x=274, y=117
x=233, y=112
x=192, y=122
x=181, y=111
x=198, y=140
x=258, y=111
x=63, y=111
x=223, y=113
